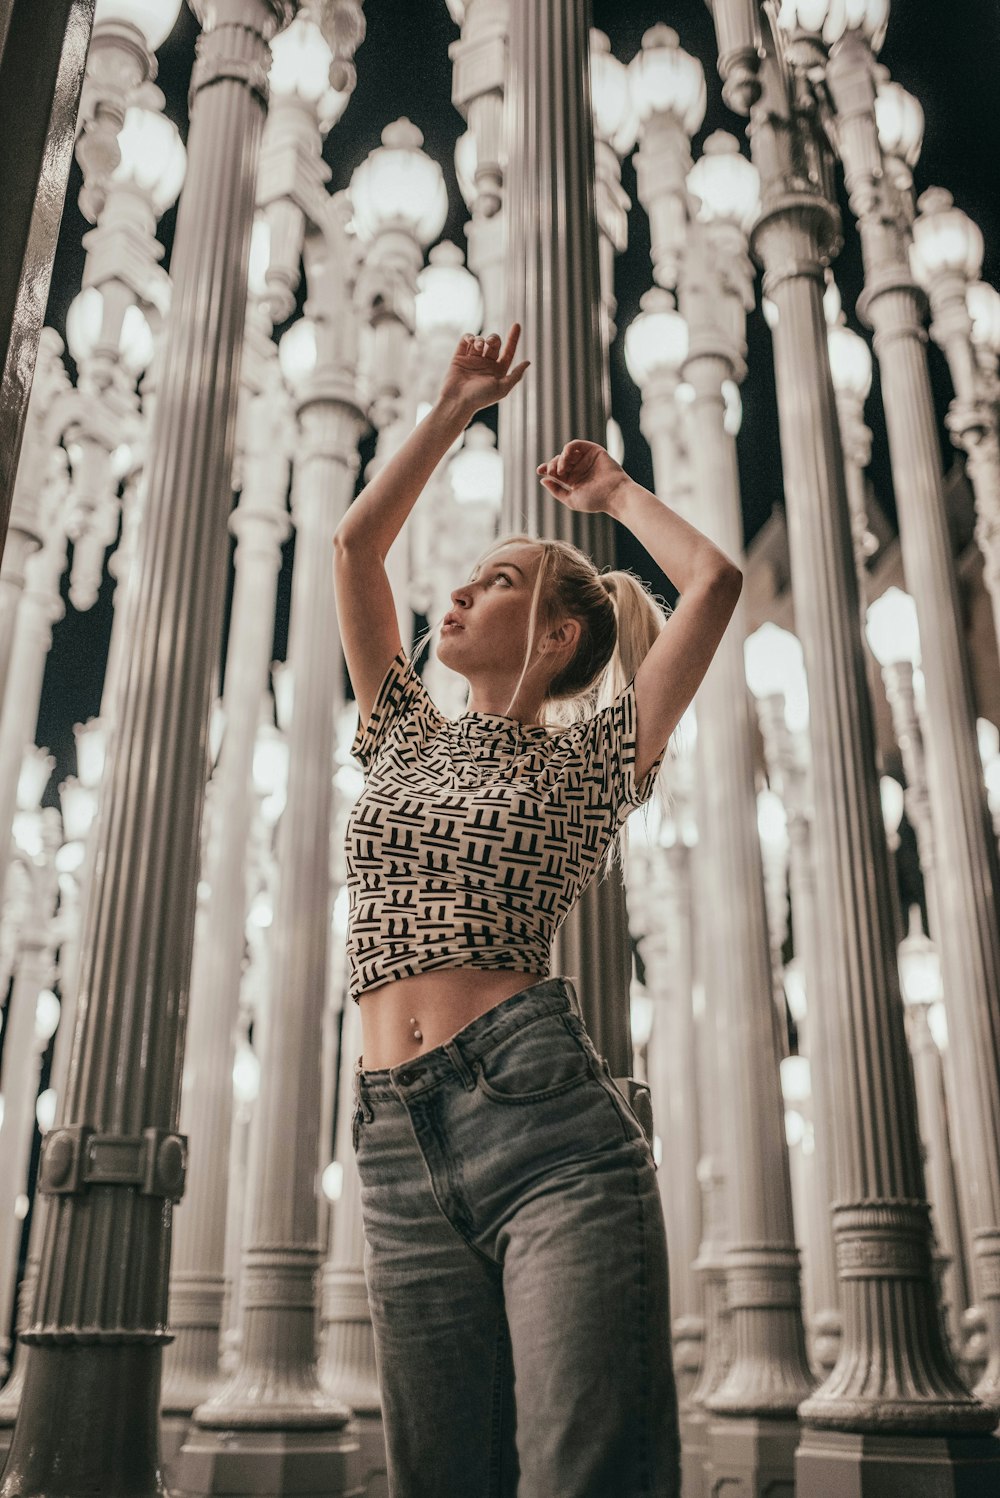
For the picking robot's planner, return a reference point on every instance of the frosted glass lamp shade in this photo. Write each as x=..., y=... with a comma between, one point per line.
x=46, y=1015
x=300, y=68
x=664, y=79
x=892, y=629
x=983, y=303
x=476, y=471
x=615, y=118
x=945, y=240
x=448, y=295
x=153, y=157
x=656, y=341
x=891, y=797
x=298, y=352
x=850, y=362
x=84, y=323
x=725, y=182
x=773, y=660
x=399, y=186
x=154, y=18
x=899, y=120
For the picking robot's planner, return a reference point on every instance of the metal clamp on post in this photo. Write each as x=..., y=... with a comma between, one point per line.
x=76, y=1157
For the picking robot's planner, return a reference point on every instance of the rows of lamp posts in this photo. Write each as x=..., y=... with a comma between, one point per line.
x=946, y=256
x=409, y=320
x=132, y=172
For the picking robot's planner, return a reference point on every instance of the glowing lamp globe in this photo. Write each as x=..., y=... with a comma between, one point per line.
x=298, y=352
x=260, y=256
x=919, y=964
x=850, y=362
x=46, y=1015
x=725, y=182
x=664, y=79
x=45, y=1110
x=448, y=296
x=36, y=769
x=892, y=797
x=79, y=808
x=91, y=749
x=246, y=1074
x=153, y=158
x=988, y=738
x=983, y=303
x=945, y=240
x=796, y=1081
x=615, y=443
x=476, y=471
x=772, y=658
x=899, y=120
x=153, y=18
x=870, y=17
x=794, y=984
x=398, y=186
x=300, y=69
x=466, y=161
x=892, y=630
x=85, y=322
x=772, y=821
x=615, y=118
x=270, y=761
x=656, y=341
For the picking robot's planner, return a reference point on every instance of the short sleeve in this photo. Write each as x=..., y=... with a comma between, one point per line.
x=402, y=699
x=606, y=744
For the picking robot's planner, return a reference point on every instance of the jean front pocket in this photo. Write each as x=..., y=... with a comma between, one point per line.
x=542, y=1061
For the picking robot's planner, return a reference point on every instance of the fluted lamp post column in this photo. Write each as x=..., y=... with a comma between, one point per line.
x=920, y=975
x=616, y=124
x=851, y=370
x=274, y=1400
x=969, y=934
x=117, y=1162
x=754, y=1435
x=776, y=677
x=894, y=638
x=289, y=187
x=553, y=291
x=894, y=1373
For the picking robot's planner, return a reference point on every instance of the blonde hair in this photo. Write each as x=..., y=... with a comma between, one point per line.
x=619, y=620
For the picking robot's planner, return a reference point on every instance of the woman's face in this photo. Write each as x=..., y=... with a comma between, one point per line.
x=491, y=611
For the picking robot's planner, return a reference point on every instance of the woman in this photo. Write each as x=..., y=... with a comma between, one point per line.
x=515, y=1250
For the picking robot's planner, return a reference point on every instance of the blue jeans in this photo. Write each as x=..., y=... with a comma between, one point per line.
x=516, y=1264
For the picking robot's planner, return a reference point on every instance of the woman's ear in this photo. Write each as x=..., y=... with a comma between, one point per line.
x=566, y=633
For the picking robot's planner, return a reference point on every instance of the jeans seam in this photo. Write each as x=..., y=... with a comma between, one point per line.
x=453, y=1188
x=496, y=1413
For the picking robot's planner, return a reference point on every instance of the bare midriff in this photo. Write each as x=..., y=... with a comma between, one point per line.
x=438, y=1004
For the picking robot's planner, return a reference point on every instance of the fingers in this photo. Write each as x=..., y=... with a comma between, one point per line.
x=515, y=376
x=510, y=346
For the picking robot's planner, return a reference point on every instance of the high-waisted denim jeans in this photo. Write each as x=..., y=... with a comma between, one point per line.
x=516, y=1263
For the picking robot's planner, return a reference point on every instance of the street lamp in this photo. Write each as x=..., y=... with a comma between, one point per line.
x=669, y=95
x=153, y=158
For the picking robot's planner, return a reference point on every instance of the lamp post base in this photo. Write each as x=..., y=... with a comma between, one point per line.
x=754, y=1458
x=88, y=1422
x=834, y=1464
x=269, y=1464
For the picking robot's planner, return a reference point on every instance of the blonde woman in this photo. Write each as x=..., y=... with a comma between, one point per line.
x=515, y=1252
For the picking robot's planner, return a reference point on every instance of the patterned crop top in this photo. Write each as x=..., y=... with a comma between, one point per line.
x=474, y=837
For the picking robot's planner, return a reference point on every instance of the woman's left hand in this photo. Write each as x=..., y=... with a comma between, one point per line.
x=583, y=476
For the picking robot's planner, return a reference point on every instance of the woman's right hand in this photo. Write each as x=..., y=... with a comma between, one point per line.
x=479, y=374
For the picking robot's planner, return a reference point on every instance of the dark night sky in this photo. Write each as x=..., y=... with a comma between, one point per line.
x=947, y=55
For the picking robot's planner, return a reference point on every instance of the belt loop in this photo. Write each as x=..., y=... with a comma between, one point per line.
x=460, y=1064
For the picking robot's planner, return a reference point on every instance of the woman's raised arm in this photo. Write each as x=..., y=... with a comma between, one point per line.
x=479, y=375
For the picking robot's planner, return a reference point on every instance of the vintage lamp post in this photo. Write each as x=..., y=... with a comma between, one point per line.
x=126, y=34
x=946, y=258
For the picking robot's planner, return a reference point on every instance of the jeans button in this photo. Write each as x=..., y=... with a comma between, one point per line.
x=405, y=1078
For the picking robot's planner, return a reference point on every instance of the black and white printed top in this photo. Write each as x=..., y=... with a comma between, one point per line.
x=474, y=837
